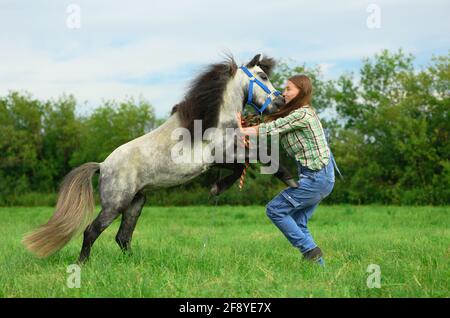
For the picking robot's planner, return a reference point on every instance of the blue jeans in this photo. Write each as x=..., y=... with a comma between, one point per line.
x=292, y=208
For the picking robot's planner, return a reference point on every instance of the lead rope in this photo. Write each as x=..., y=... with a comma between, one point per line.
x=208, y=234
x=247, y=145
x=241, y=180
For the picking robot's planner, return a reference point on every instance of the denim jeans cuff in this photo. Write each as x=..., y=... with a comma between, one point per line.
x=305, y=249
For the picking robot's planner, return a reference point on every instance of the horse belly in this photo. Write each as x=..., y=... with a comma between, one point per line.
x=173, y=175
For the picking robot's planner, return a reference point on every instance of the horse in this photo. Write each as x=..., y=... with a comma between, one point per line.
x=144, y=164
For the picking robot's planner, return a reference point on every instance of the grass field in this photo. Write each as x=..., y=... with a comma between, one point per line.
x=233, y=251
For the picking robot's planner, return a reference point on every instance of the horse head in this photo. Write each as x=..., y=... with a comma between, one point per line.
x=259, y=91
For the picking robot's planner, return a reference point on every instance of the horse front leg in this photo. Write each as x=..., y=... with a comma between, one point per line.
x=285, y=176
x=225, y=183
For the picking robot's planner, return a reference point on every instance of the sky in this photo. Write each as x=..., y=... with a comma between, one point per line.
x=102, y=50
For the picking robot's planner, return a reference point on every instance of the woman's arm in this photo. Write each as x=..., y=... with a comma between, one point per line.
x=282, y=125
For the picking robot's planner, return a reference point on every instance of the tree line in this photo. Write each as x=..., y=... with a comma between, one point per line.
x=389, y=127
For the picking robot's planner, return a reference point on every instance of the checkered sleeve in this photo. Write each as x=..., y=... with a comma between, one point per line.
x=295, y=120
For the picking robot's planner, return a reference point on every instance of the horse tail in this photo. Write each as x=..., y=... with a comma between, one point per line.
x=74, y=211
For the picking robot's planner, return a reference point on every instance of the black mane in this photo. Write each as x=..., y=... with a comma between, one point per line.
x=205, y=95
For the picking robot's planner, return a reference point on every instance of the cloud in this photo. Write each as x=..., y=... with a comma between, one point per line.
x=155, y=48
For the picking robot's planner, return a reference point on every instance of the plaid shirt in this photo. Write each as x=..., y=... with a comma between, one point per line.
x=302, y=137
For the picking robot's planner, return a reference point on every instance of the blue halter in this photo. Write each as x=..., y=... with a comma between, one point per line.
x=253, y=80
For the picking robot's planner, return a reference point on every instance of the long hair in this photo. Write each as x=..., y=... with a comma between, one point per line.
x=205, y=95
x=303, y=98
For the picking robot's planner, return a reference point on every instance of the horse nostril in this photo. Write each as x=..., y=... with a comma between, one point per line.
x=279, y=102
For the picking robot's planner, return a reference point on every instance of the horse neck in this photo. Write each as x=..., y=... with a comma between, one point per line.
x=232, y=102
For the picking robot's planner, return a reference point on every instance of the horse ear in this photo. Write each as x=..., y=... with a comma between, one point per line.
x=254, y=61
x=267, y=64
x=232, y=69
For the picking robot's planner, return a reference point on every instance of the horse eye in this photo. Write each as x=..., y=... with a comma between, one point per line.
x=263, y=76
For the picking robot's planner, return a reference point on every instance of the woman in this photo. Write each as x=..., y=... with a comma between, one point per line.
x=303, y=138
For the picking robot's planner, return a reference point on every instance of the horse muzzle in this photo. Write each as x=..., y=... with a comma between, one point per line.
x=279, y=102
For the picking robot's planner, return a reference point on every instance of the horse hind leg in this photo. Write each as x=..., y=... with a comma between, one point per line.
x=110, y=211
x=129, y=219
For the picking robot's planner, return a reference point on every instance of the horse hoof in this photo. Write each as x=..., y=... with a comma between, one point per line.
x=292, y=183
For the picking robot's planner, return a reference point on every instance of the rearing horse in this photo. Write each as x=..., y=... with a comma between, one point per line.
x=145, y=163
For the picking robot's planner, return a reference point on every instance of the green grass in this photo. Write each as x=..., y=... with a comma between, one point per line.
x=233, y=251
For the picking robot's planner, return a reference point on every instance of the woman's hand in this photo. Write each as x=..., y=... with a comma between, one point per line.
x=250, y=130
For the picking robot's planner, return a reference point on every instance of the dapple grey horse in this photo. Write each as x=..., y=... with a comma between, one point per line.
x=145, y=163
